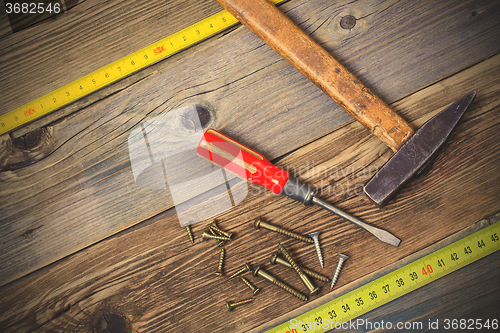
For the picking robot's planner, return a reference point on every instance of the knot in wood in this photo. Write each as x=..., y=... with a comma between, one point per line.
x=204, y=118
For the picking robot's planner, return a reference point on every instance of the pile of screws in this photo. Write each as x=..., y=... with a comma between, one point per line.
x=305, y=274
x=289, y=261
x=213, y=232
x=221, y=236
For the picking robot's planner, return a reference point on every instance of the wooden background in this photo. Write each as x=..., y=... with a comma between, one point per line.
x=79, y=239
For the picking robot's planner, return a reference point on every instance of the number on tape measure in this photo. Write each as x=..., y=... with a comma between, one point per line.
x=396, y=283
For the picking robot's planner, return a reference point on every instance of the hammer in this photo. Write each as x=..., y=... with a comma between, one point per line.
x=412, y=150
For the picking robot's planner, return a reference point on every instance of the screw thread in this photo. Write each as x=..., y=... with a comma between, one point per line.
x=342, y=258
x=318, y=249
x=245, y=268
x=231, y=306
x=289, y=258
x=248, y=283
x=278, y=260
x=290, y=290
x=315, y=275
x=219, y=242
x=205, y=236
x=312, y=289
x=265, y=275
x=190, y=234
x=220, y=232
x=336, y=275
x=221, y=262
x=245, y=301
x=258, y=223
x=252, y=288
x=216, y=230
x=294, y=235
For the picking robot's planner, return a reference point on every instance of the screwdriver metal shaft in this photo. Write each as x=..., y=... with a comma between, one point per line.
x=383, y=235
x=305, y=193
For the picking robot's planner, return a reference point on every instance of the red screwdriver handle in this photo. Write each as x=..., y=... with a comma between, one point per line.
x=241, y=161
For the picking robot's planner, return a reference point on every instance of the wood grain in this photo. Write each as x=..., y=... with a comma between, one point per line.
x=85, y=38
x=83, y=190
x=392, y=48
x=159, y=282
x=321, y=68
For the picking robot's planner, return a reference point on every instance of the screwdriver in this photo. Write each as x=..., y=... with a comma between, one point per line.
x=246, y=163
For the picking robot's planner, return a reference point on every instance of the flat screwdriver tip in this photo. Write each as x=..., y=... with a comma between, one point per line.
x=395, y=241
x=382, y=235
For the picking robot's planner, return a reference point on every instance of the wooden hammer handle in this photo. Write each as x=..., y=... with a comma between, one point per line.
x=293, y=44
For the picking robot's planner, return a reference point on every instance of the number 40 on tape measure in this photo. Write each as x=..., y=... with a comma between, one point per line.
x=340, y=311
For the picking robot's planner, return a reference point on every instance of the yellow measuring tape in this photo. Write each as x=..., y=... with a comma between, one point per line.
x=117, y=70
x=340, y=311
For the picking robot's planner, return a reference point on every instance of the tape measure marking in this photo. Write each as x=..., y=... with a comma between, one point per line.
x=117, y=70
x=396, y=284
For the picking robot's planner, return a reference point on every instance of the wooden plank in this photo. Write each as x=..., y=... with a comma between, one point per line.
x=87, y=37
x=5, y=29
x=159, y=282
x=83, y=189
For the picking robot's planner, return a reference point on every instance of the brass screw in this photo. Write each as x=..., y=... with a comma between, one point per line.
x=245, y=268
x=275, y=259
x=260, y=272
x=215, y=228
x=231, y=306
x=206, y=236
x=312, y=289
x=219, y=242
x=221, y=261
x=255, y=290
x=190, y=234
x=342, y=258
x=314, y=236
x=259, y=224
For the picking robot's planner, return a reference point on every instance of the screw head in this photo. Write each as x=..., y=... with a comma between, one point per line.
x=256, y=271
x=273, y=259
x=256, y=291
x=230, y=307
x=314, y=234
x=343, y=256
x=256, y=224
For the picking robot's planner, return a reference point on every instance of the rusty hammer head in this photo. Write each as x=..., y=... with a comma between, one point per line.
x=416, y=152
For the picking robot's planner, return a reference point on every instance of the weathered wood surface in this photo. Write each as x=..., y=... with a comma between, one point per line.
x=287, y=39
x=42, y=58
x=83, y=190
x=159, y=282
